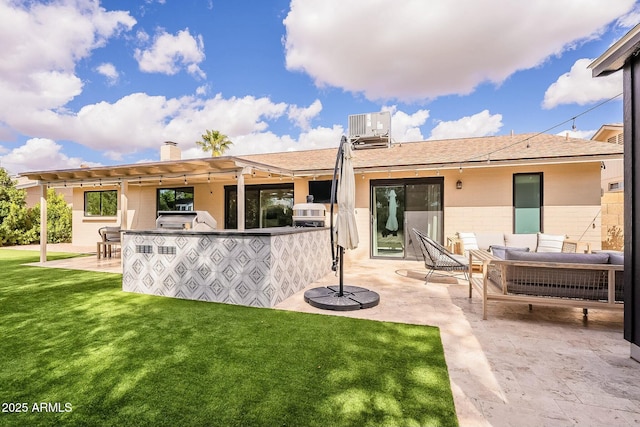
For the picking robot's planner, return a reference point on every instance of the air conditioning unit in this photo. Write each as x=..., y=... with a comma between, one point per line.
x=370, y=130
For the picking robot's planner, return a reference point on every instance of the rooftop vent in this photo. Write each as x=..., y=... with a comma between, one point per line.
x=370, y=130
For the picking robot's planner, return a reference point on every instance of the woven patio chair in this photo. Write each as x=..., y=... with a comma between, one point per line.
x=110, y=243
x=438, y=258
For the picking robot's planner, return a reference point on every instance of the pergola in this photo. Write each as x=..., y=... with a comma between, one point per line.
x=168, y=172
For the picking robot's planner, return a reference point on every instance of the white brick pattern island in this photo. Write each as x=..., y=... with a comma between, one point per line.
x=259, y=267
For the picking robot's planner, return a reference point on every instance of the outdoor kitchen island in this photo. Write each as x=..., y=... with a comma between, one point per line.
x=256, y=267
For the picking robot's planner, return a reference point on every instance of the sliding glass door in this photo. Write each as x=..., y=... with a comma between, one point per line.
x=397, y=206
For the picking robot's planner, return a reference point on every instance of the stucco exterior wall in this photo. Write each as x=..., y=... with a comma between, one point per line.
x=485, y=202
x=571, y=197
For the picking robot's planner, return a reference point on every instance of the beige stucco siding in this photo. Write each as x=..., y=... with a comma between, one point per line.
x=85, y=229
x=485, y=202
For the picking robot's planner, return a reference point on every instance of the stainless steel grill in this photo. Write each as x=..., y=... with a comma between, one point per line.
x=185, y=220
x=309, y=214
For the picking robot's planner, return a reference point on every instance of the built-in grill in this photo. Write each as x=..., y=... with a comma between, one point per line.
x=309, y=214
x=185, y=220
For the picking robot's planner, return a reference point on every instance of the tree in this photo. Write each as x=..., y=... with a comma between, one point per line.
x=215, y=142
x=59, y=218
x=16, y=221
x=20, y=225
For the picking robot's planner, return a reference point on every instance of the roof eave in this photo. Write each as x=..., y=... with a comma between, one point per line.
x=614, y=58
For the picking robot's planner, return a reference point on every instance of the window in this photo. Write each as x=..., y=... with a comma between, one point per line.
x=264, y=206
x=527, y=203
x=100, y=203
x=175, y=199
x=321, y=191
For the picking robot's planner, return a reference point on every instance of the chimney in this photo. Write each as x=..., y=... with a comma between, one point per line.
x=170, y=151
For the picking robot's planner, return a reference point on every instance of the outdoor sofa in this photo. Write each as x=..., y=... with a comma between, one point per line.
x=579, y=280
x=533, y=242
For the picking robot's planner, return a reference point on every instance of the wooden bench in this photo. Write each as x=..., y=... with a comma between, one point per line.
x=563, y=284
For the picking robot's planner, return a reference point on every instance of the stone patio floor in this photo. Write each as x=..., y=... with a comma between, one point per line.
x=545, y=367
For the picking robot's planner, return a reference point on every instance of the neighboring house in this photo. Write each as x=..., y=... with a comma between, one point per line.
x=612, y=189
x=612, y=170
x=513, y=183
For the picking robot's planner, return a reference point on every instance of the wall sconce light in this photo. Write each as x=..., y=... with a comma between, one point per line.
x=459, y=185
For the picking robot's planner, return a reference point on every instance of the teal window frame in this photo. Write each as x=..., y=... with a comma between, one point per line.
x=528, y=203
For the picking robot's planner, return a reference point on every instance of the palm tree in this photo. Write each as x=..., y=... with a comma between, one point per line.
x=215, y=142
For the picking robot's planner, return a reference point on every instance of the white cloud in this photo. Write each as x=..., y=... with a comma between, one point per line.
x=302, y=116
x=170, y=53
x=108, y=70
x=390, y=54
x=579, y=87
x=631, y=19
x=39, y=154
x=582, y=134
x=480, y=124
x=268, y=142
x=42, y=42
x=140, y=121
x=406, y=127
x=202, y=90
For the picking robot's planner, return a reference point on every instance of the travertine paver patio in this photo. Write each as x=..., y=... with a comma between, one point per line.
x=546, y=367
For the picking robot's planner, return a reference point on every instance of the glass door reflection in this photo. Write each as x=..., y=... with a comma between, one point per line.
x=388, y=221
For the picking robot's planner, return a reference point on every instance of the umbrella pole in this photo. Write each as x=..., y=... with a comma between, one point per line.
x=341, y=256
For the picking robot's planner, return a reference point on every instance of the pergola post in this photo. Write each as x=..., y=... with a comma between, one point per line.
x=124, y=205
x=43, y=223
x=240, y=200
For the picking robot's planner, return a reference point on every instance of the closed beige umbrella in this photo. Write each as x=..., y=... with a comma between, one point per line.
x=346, y=228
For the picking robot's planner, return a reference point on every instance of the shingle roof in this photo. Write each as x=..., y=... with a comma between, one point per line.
x=522, y=148
x=453, y=153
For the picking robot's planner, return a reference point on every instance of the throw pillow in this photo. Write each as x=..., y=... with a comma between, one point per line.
x=469, y=241
x=549, y=243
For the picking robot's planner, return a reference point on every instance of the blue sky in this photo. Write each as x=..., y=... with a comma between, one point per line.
x=107, y=82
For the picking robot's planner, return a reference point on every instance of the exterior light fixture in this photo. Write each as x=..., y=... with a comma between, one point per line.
x=459, y=185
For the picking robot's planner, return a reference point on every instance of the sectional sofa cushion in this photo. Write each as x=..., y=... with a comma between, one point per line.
x=499, y=251
x=615, y=257
x=549, y=243
x=600, y=258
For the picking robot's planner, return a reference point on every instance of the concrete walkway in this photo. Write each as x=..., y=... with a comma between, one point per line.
x=89, y=262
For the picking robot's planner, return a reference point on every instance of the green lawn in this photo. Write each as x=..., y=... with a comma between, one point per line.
x=96, y=356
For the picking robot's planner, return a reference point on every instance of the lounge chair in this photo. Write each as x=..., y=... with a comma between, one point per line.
x=438, y=258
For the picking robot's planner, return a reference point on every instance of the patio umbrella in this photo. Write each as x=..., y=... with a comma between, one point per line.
x=346, y=228
x=344, y=233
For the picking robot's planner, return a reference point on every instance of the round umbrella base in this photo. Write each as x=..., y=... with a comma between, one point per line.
x=353, y=298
